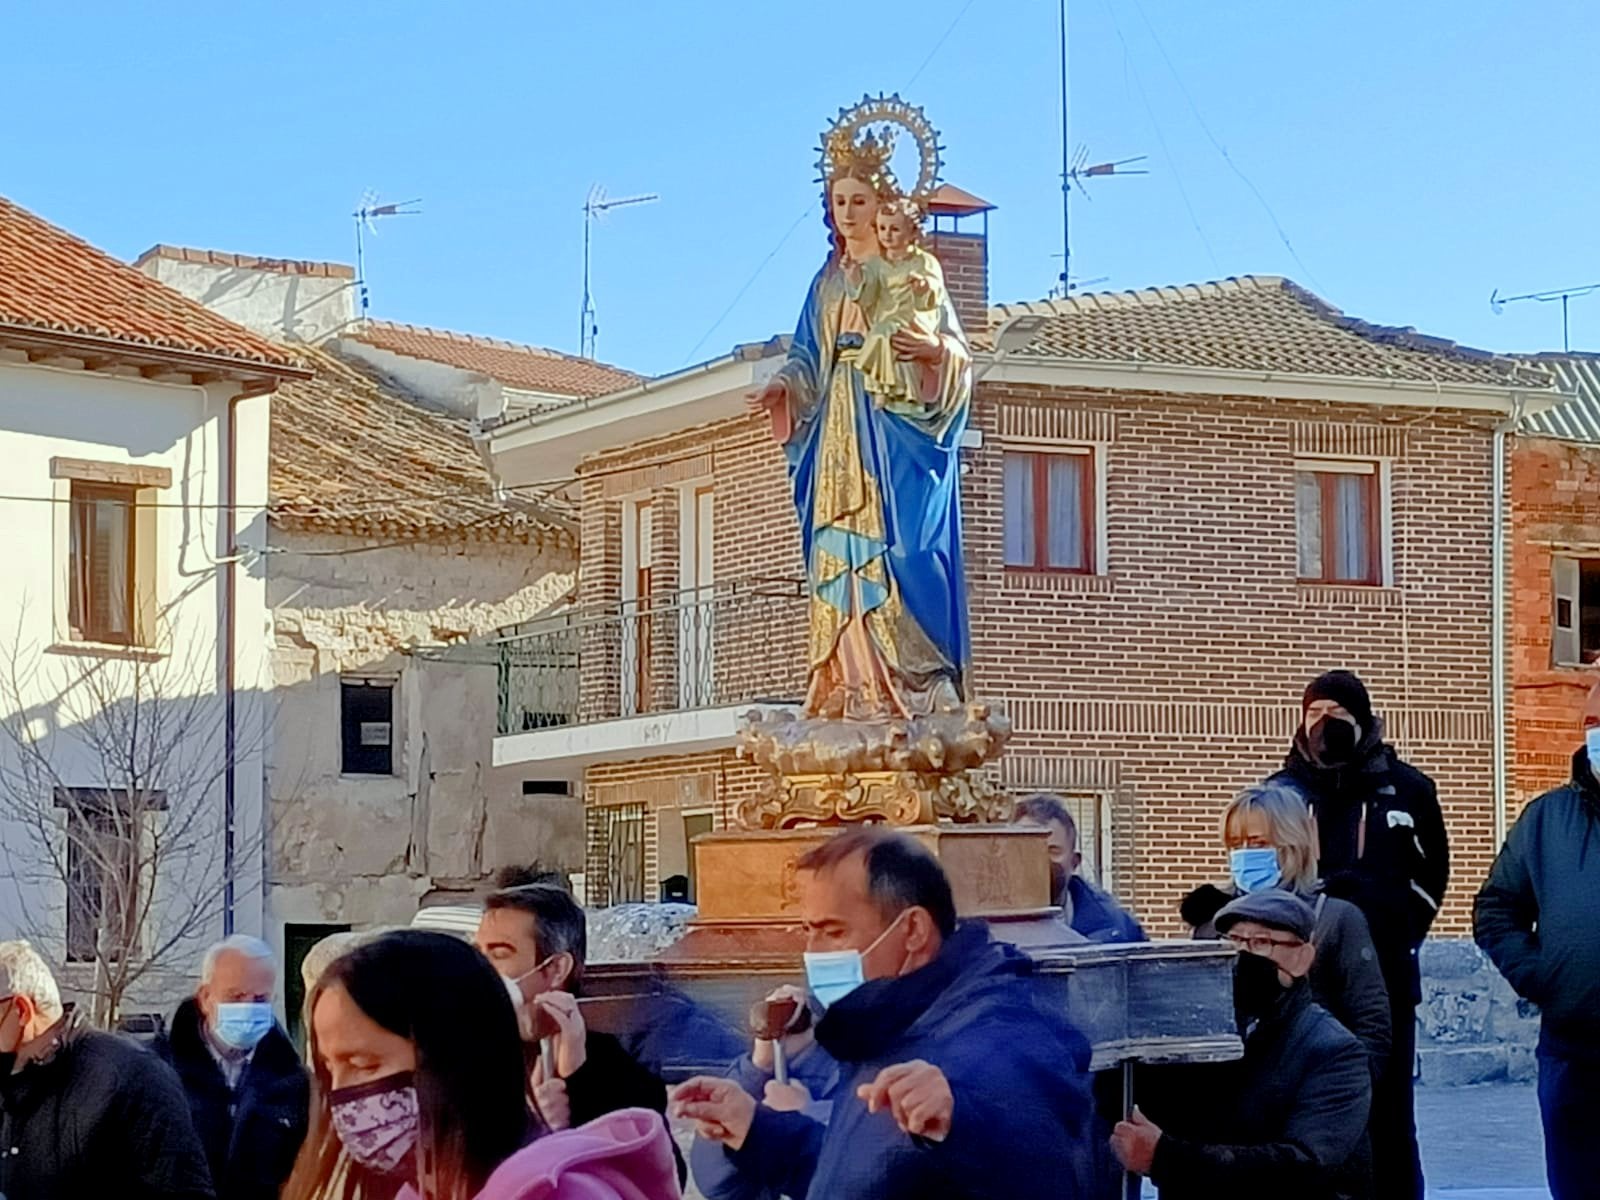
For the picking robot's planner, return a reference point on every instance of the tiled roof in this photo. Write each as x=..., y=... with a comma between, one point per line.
x=529, y=367
x=1253, y=323
x=350, y=454
x=1578, y=419
x=247, y=262
x=52, y=283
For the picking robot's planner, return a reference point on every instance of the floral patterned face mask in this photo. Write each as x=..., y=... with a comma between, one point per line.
x=377, y=1123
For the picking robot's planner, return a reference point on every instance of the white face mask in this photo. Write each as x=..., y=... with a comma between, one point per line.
x=834, y=974
x=514, y=984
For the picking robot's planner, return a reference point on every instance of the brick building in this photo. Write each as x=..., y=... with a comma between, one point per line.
x=1555, y=489
x=1180, y=504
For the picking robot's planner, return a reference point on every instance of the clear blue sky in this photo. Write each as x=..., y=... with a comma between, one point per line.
x=1416, y=154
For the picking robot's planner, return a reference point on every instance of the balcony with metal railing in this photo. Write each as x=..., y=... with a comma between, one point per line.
x=735, y=643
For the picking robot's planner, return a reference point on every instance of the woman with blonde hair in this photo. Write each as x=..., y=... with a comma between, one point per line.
x=1272, y=843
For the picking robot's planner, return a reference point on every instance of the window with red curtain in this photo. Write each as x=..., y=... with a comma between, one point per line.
x=1049, y=511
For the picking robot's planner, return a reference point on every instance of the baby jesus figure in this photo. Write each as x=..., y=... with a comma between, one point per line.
x=902, y=289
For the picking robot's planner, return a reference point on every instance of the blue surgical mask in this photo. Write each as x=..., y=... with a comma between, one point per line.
x=242, y=1026
x=1591, y=741
x=1255, y=868
x=834, y=974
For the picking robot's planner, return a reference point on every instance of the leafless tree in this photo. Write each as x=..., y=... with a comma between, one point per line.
x=112, y=771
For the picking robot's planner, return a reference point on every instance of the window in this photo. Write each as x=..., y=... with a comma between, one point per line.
x=621, y=836
x=1049, y=511
x=546, y=787
x=1339, y=515
x=638, y=582
x=103, y=870
x=100, y=596
x=366, y=719
x=1575, y=639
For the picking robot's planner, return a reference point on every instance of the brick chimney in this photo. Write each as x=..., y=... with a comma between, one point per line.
x=960, y=240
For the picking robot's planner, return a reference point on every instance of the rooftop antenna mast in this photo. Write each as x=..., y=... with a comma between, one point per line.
x=1497, y=303
x=595, y=207
x=1075, y=168
x=367, y=216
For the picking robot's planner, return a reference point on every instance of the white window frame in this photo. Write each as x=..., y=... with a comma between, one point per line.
x=1383, y=468
x=1099, y=456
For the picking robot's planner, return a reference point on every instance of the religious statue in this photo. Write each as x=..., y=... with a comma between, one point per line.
x=870, y=408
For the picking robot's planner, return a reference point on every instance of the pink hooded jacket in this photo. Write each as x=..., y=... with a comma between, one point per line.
x=624, y=1155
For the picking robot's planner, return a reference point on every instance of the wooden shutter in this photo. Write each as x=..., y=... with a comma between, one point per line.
x=1565, y=639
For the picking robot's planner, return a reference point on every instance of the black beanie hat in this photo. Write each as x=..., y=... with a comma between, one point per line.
x=1345, y=690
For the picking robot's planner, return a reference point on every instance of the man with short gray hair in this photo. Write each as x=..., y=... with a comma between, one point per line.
x=248, y=1092
x=84, y=1113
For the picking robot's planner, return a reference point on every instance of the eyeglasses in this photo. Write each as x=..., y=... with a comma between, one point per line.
x=1261, y=943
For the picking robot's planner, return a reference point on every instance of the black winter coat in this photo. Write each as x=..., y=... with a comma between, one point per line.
x=250, y=1136
x=1383, y=847
x=1538, y=915
x=98, y=1116
x=1288, y=1119
x=1345, y=978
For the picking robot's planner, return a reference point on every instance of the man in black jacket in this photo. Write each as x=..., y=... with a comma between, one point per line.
x=537, y=936
x=84, y=1113
x=1289, y=1118
x=1382, y=846
x=1538, y=918
x=248, y=1093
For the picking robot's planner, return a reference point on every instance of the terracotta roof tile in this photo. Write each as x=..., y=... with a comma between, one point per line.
x=513, y=364
x=54, y=283
x=351, y=454
x=1253, y=323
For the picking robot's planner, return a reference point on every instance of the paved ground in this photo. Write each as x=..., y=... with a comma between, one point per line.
x=1481, y=1143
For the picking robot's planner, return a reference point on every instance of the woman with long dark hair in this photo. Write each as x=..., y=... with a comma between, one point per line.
x=418, y=1091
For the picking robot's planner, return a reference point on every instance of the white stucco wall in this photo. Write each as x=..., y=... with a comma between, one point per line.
x=48, y=412
x=364, y=850
x=288, y=305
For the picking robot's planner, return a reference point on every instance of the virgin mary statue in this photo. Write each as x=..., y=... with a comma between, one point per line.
x=875, y=482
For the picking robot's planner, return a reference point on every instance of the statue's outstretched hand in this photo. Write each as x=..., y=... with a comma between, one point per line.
x=774, y=395
x=914, y=346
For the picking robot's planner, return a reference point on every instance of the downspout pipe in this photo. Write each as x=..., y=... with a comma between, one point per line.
x=230, y=713
x=1497, y=630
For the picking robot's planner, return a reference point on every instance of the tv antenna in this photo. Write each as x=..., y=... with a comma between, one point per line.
x=595, y=207
x=1497, y=303
x=1075, y=168
x=367, y=217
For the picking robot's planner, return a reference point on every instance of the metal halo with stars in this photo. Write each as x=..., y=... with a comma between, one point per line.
x=889, y=110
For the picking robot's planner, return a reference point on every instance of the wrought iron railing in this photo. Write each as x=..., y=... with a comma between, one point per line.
x=735, y=642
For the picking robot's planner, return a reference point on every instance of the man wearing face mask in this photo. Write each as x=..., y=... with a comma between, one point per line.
x=1086, y=909
x=537, y=937
x=248, y=1092
x=957, y=1083
x=1382, y=846
x=84, y=1113
x=1538, y=918
x=1289, y=1118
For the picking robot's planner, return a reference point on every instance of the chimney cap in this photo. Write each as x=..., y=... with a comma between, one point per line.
x=948, y=199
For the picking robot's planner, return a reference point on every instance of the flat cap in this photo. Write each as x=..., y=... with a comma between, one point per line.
x=1272, y=907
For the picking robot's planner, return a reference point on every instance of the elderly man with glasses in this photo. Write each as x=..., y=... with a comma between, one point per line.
x=1289, y=1118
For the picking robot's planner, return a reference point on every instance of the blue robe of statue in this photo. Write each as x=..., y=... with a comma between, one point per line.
x=876, y=488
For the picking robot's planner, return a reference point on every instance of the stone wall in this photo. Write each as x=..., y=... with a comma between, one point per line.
x=364, y=850
x=1471, y=1027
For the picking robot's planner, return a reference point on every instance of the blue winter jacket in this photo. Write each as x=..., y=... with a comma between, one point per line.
x=1098, y=916
x=715, y=1172
x=1019, y=1074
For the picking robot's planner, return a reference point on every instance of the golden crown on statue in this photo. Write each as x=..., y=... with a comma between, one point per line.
x=864, y=137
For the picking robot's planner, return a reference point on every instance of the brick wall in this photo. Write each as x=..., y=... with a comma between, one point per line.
x=965, y=260
x=1555, y=493
x=1171, y=680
